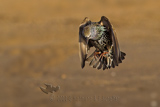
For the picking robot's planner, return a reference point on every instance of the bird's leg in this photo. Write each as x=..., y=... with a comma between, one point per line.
x=96, y=53
x=102, y=55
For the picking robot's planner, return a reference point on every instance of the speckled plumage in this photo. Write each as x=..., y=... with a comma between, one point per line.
x=101, y=36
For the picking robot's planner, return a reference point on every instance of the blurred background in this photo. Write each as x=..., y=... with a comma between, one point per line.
x=39, y=44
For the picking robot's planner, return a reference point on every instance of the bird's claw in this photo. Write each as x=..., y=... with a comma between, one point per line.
x=96, y=54
x=104, y=54
x=105, y=57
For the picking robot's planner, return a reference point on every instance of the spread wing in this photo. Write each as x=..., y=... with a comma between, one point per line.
x=83, y=46
x=118, y=56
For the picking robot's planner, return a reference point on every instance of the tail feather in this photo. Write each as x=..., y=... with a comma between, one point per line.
x=100, y=65
x=113, y=64
x=92, y=62
x=96, y=64
x=123, y=55
x=104, y=62
x=90, y=58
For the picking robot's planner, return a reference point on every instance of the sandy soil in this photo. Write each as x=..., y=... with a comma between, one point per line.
x=39, y=44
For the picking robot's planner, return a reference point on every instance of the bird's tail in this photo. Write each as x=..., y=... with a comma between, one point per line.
x=123, y=55
x=103, y=62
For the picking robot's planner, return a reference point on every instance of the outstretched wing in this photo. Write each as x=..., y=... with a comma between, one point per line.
x=83, y=46
x=117, y=57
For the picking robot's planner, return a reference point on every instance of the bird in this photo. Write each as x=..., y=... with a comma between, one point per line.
x=49, y=88
x=100, y=35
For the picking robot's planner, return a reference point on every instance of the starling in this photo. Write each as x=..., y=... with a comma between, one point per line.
x=100, y=35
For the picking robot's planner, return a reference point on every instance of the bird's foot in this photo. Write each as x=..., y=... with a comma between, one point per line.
x=100, y=55
x=103, y=55
x=96, y=54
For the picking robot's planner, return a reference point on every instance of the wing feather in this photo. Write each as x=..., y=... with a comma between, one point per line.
x=115, y=46
x=83, y=46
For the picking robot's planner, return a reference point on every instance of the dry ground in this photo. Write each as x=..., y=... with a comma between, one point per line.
x=39, y=44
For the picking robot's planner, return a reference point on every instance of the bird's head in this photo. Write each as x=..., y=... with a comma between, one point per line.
x=93, y=31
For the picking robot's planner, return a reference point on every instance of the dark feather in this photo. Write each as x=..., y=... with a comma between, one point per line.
x=83, y=48
x=111, y=45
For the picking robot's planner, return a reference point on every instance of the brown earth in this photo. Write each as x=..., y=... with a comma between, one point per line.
x=39, y=44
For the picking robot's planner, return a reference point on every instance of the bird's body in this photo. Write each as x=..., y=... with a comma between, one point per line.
x=100, y=39
x=101, y=36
